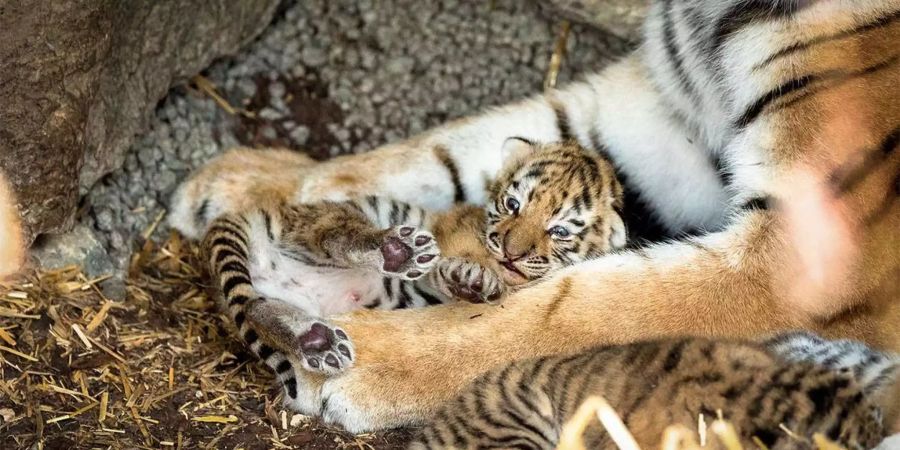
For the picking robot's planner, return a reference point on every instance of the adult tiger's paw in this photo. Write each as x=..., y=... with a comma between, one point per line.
x=408, y=252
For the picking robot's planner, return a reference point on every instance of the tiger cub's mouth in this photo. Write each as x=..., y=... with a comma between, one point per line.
x=511, y=274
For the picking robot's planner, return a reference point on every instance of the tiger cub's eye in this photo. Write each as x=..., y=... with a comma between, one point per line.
x=512, y=205
x=559, y=232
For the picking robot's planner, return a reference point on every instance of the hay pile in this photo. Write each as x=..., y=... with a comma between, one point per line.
x=158, y=370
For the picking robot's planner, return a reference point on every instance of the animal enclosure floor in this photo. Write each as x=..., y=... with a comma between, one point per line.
x=157, y=370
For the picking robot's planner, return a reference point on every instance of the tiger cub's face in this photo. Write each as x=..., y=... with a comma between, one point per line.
x=552, y=205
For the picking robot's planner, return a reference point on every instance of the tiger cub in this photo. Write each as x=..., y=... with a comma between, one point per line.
x=283, y=269
x=798, y=380
x=551, y=206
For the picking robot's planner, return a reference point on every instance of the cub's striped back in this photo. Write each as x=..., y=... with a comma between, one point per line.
x=656, y=384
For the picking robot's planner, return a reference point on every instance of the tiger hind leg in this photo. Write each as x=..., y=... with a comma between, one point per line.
x=320, y=346
x=269, y=325
x=281, y=268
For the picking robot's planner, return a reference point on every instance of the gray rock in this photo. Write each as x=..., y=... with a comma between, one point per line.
x=277, y=90
x=181, y=134
x=104, y=220
x=621, y=17
x=300, y=135
x=342, y=135
x=269, y=133
x=400, y=65
x=314, y=56
x=146, y=156
x=80, y=78
x=78, y=246
x=270, y=114
x=246, y=87
x=167, y=182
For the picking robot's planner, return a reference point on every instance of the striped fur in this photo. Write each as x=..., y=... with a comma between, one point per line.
x=557, y=185
x=877, y=372
x=656, y=384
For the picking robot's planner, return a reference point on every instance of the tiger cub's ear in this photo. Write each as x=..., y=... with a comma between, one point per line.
x=516, y=148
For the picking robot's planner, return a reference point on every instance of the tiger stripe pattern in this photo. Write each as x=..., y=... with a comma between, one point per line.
x=655, y=384
x=877, y=372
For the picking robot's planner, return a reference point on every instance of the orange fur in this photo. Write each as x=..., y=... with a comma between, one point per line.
x=12, y=248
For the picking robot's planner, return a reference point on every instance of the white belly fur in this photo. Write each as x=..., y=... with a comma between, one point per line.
x=318, y=291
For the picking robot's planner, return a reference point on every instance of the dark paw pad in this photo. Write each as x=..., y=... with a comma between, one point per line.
x=395, y=253
x=408, y=252
x=325, y=349
x=316, y=339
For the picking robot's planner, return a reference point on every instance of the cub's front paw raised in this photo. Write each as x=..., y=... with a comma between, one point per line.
x=468, y=281
x=408, y=252
x=325, y=349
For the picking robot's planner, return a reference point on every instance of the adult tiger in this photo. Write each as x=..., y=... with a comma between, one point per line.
x=728, y=108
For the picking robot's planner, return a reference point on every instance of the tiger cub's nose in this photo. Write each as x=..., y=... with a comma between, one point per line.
x=515, y=246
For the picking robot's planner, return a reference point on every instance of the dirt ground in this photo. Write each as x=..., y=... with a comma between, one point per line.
x=157, y=370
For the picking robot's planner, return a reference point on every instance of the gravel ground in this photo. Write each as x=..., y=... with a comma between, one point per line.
x=333, y=77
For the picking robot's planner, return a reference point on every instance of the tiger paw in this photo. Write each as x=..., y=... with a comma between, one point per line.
x=468, y=281
x=408, y=252
x=325, y=349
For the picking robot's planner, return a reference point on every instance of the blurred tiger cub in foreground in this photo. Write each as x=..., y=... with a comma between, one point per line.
x=809, y=385
x=283, y=268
